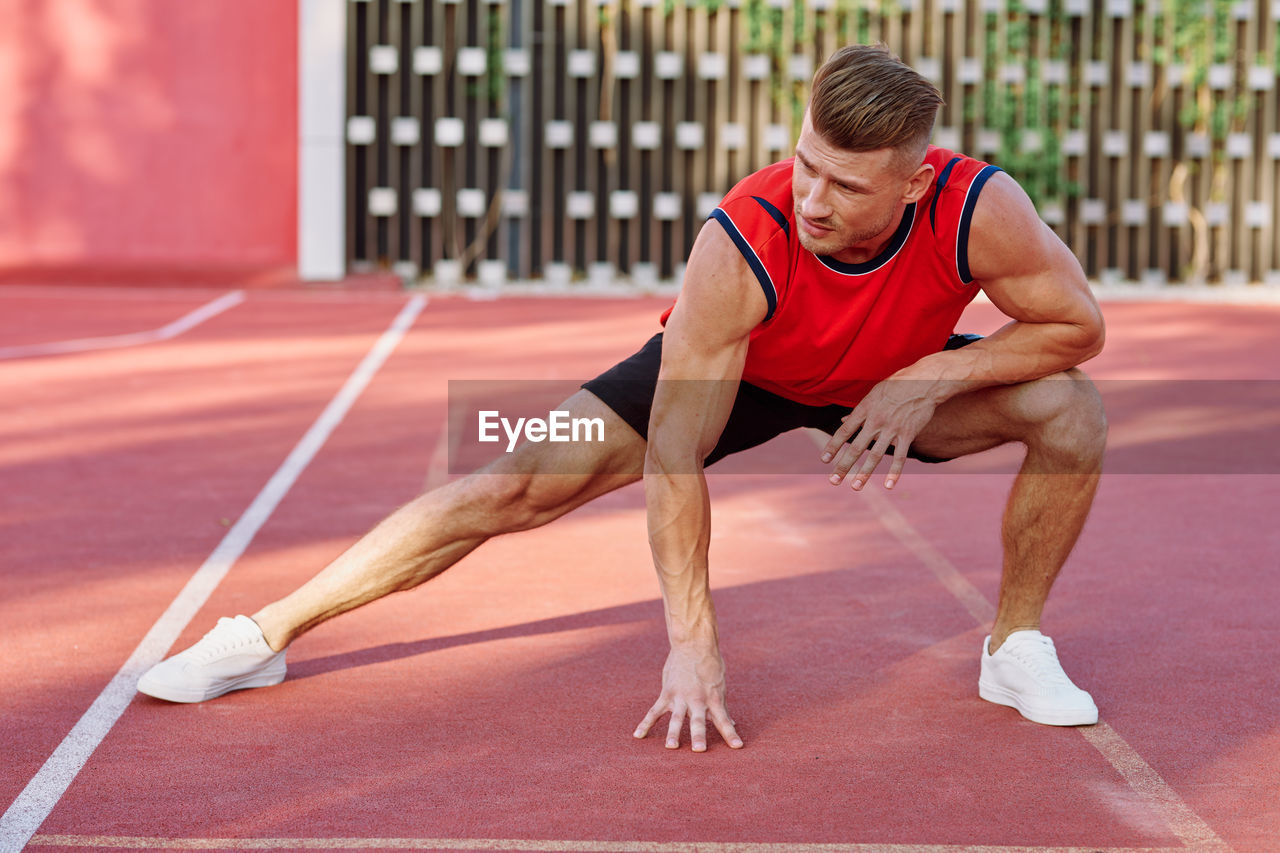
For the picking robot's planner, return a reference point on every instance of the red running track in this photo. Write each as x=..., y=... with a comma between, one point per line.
x=493, y=708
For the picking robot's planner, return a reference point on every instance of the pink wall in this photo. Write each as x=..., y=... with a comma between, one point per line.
x=147, y=138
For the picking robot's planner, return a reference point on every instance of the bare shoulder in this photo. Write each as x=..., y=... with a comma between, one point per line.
x=721, y=300
x=1007, y=236
x=1021, y=264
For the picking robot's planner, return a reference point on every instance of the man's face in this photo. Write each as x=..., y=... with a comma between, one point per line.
x=846, y=200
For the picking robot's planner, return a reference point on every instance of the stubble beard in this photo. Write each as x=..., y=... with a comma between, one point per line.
x=838, y=241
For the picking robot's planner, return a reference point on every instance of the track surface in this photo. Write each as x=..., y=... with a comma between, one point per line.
x=493, y=709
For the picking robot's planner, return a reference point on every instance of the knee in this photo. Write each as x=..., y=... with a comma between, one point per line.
x=509, y=501
x=1067, y=418
x=500, y=502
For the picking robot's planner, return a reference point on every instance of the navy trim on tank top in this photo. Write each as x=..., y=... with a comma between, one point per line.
x=966, y=215
x=753, y=260
x=776, y=214
x=937, y=191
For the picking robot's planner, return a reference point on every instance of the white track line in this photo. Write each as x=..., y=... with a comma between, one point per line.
x=46, y=788
x=1190, y=829
x=548, y=846
x=133, y=339
x=943, y=569
x=1186, y=824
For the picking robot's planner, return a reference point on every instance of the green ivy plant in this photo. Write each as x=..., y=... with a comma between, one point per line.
x=1204, y=37
x=1027, y=115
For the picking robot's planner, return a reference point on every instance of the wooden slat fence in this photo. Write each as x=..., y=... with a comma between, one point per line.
x=588, y=139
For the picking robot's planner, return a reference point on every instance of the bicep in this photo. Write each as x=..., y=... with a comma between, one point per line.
x=704, y=347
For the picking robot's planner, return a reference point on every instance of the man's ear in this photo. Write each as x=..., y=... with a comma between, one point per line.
x=918, y=184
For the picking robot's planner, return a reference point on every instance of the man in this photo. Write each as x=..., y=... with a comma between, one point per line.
x=825, y=296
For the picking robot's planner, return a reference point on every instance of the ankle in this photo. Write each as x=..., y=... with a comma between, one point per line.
x=276, y=637
x=1000, y=633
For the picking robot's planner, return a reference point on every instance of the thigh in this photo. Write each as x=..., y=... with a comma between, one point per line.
x=558, y=477
x=989, y=417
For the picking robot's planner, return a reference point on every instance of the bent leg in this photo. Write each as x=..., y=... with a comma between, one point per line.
x=1061, y=421
x=436, y=530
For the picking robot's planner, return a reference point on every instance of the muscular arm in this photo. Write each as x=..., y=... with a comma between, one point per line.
x=1033, y=278
x=1055, y=324
x=703, y=350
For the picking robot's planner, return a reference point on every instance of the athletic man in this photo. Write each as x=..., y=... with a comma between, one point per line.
x=824, y=295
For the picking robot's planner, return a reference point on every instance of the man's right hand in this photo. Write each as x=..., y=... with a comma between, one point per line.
x=693, y=685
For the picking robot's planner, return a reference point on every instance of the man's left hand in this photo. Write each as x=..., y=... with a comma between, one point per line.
x=891, y=415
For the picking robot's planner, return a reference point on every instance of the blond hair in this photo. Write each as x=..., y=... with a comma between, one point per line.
x=864, y=99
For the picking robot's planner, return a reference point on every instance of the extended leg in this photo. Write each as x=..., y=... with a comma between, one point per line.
x=439, y=528
x=534, y=485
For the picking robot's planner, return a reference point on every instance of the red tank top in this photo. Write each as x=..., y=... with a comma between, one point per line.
x=833, y=329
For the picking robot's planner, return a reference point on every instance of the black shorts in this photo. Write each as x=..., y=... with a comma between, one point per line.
x=757, y=416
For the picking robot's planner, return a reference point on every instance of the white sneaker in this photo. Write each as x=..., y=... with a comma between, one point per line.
x=233, y=656
x=1024, y=674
